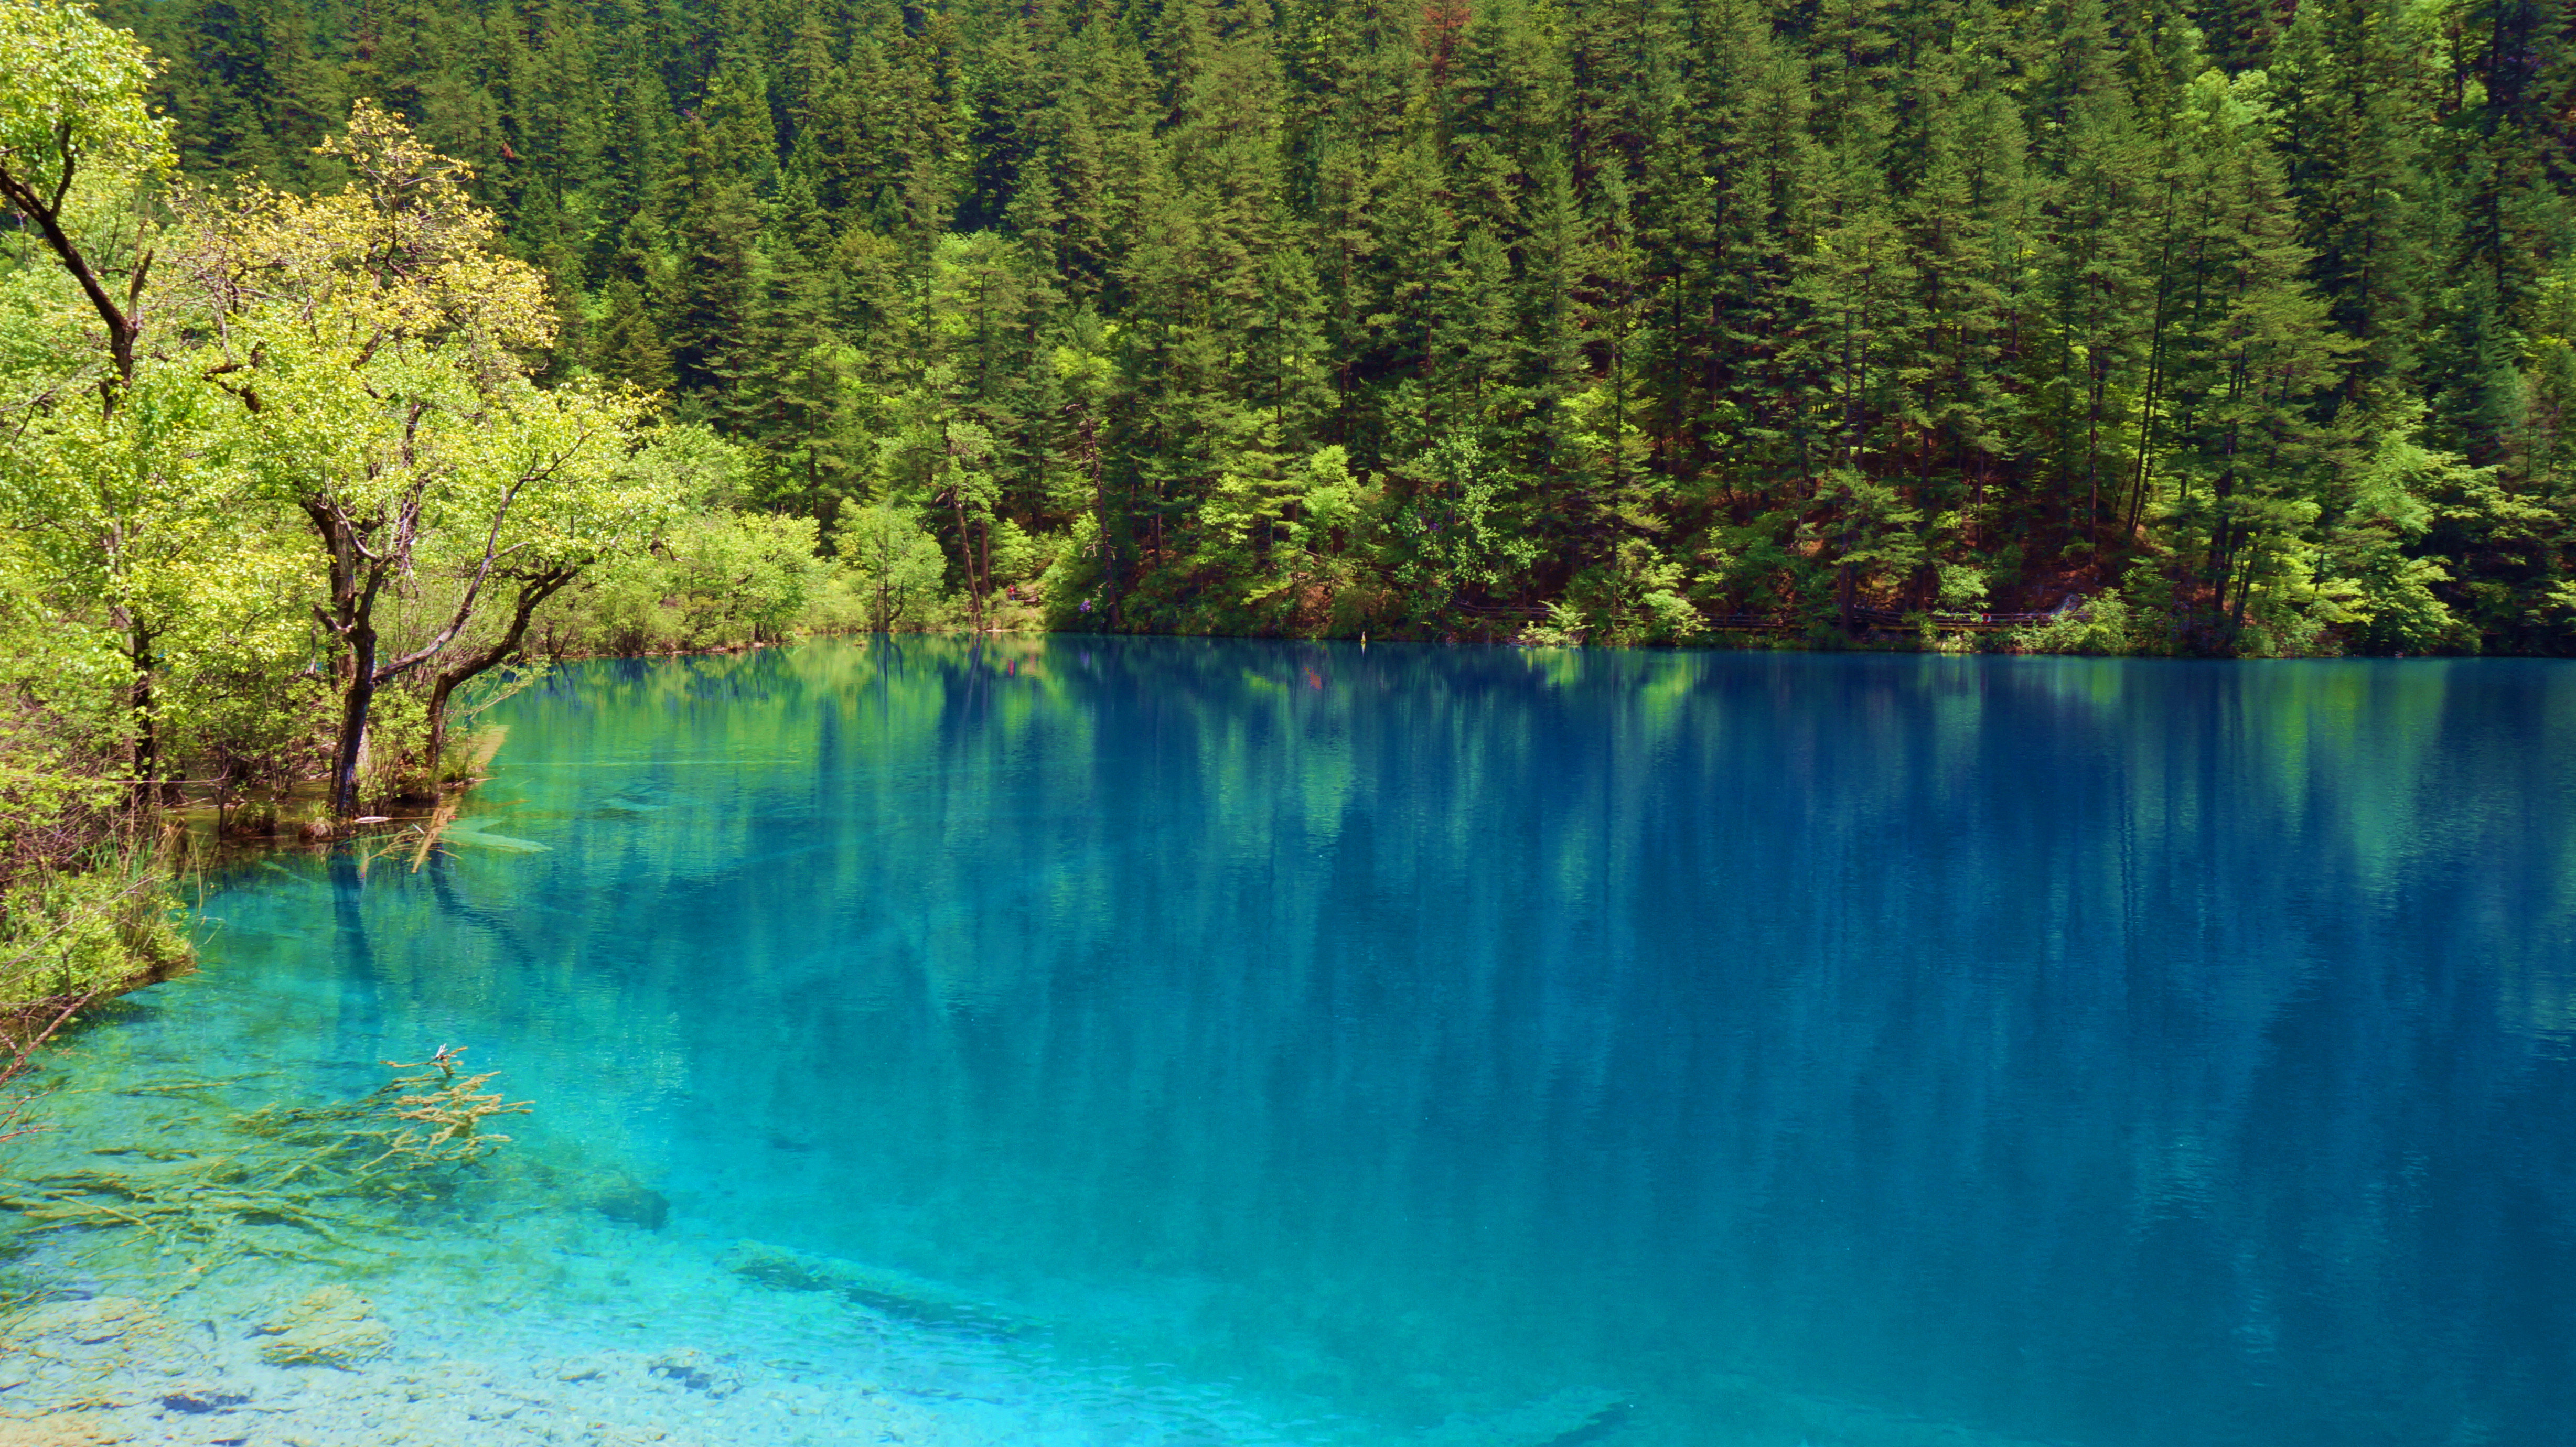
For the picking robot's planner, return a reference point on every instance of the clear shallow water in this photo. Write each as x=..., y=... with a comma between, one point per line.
x=1797, y=1048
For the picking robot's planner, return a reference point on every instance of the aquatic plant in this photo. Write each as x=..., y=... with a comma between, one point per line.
x=329, y=1174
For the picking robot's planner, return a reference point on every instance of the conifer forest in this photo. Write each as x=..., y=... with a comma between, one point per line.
x=2227, y=328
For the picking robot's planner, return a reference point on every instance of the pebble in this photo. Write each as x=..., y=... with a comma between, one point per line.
x=566, y=1329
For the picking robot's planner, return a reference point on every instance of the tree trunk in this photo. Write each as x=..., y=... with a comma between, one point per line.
x=147, y=736
x=532, y=592
x=885, y=578
x=966, y=555
x=354, y=704
x=147, y=743
x=438, y=695
x=24, y=198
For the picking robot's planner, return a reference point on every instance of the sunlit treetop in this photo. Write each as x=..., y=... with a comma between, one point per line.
x=72, y=100
x=402, y=252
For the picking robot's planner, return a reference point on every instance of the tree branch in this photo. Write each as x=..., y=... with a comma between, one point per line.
x=21, y=195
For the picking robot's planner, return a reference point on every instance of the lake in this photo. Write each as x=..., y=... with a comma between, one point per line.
x=1310, y=1043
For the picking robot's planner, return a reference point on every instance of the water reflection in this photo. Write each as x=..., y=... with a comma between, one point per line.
x=1793, y=1047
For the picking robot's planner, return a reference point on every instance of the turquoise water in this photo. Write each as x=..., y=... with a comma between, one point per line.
x=1542, y=1047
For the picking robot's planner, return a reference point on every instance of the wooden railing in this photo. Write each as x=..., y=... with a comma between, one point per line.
x=1873, y=617
x=1955, y=622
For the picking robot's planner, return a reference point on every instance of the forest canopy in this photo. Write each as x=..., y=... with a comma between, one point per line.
x=2245, y=326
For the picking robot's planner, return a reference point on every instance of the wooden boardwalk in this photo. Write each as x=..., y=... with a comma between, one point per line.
x=1868, y=617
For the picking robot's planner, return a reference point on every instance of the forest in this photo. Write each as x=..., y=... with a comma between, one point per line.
x=2242, y=329
x=357, y=357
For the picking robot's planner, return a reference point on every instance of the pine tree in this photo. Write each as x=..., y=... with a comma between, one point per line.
x=2096, y=310
x=2256, y=346
x=626, y=346
x=2351, y=99
x=713, y=323
x=1824, y=304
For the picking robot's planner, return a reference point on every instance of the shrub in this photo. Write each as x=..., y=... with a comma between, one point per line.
x=2099, y=624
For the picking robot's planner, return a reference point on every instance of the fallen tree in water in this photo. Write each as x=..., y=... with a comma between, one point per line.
x=331, y=1174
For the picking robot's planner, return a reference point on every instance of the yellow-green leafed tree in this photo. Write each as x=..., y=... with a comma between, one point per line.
x=75, y=135
x=88, y=538
x=111, y=487
x=137, y=521
x=377, y=342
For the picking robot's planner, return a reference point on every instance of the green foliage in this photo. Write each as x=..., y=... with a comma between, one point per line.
x=717, y=580
x=2389, y=594
x=366, y=372
x=2100, y=624
x=85, y=903
x=307, y=456
x=1451, y=525
x=67, y=934
x=73, y=99
x=1842, y=315
x=740, y=576
x=1634, y=597
x=893, y=567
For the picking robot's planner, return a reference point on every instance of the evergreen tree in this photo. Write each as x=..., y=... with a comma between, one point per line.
x=1301, y=314
x=627, y=346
